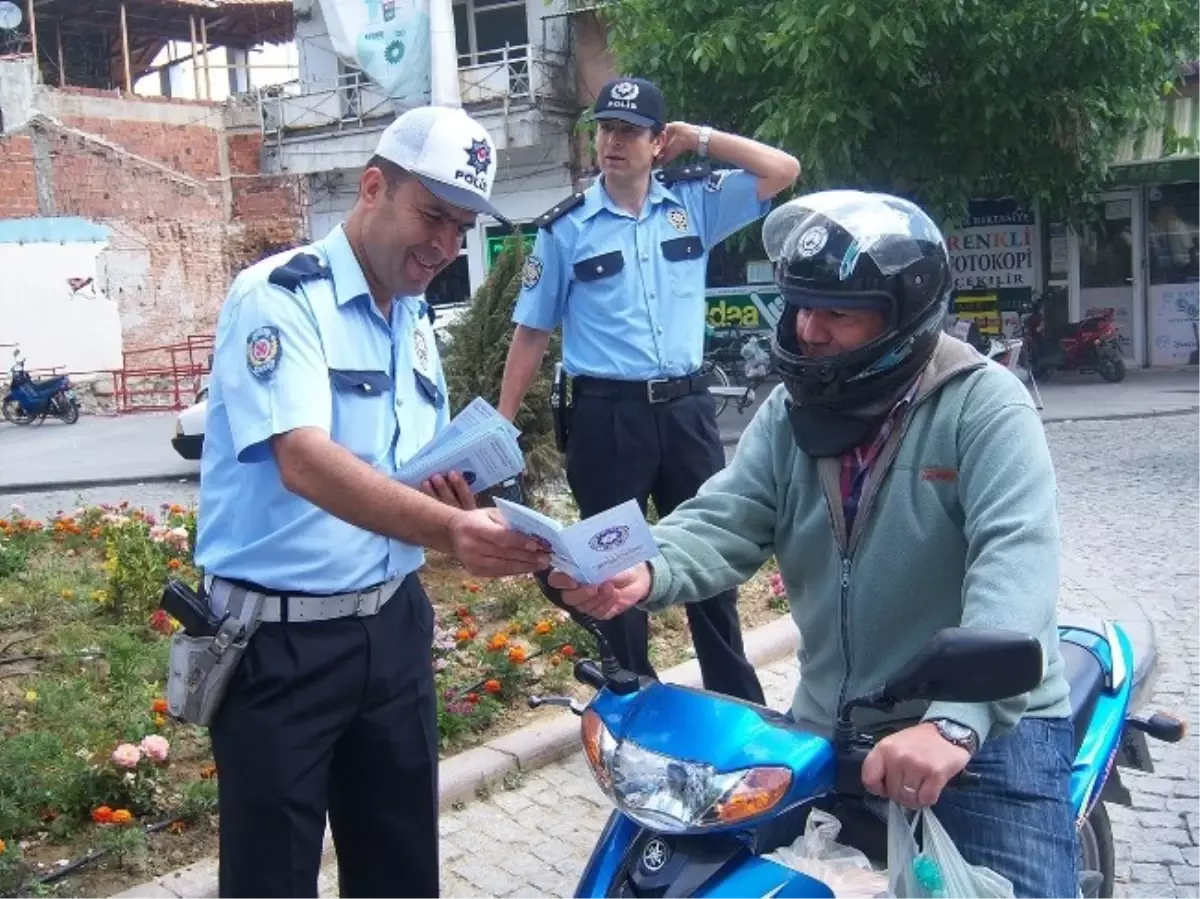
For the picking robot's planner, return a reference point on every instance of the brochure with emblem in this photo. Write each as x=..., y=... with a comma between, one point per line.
x=479, y=443
x=593, y=550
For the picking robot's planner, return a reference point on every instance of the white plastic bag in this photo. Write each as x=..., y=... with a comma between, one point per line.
x=939, y=870
x=845, y=870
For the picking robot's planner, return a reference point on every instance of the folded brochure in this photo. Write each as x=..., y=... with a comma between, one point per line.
x=479, y=443
x=593, y=550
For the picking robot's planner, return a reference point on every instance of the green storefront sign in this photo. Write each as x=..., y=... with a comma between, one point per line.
x=497, y=236
x=743, y=308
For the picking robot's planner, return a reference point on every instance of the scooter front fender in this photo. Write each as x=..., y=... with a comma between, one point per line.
x=720, y=873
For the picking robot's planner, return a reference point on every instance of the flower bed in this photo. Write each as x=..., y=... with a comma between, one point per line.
x=90, y=762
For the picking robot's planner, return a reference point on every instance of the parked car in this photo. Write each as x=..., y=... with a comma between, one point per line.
x=189, y=428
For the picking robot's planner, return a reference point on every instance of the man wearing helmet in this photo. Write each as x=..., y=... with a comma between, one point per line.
x=904, y=485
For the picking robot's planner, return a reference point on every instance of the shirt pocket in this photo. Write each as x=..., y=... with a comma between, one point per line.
x=604, y=267
x=685, y=261
x=363, y=416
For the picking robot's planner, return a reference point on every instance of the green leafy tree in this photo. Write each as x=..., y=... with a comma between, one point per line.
x=476, y=352
x=938, y=100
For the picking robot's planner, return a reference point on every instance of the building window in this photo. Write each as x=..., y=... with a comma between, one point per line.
x=482, y=28
x=451, y=286
x=1172, y=235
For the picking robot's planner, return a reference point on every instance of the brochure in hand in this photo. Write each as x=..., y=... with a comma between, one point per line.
x=593, y=550
x=479, y=443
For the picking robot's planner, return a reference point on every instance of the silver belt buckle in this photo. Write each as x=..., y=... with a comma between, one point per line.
x=367, y=603
x=650, y=385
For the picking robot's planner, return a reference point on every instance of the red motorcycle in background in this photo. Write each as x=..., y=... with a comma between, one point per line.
x=1091, y=345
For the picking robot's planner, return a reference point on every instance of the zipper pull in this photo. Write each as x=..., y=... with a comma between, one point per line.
x=845, y=572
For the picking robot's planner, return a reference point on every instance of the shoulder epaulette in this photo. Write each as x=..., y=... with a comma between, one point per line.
x=693, y=172
x=552, y=215
x=300, y=268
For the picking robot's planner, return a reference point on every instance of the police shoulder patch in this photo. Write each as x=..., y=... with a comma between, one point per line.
x=694, y=172
x=263, y=349
x=554, y=213
x=532, y=273
x=300, y=268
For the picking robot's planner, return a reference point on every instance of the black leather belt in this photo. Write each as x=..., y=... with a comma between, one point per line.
x=657, y=390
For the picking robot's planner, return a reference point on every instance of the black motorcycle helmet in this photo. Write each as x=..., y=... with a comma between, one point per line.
x=854, y=250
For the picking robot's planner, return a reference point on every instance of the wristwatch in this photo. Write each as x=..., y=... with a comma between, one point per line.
x=958, y=734
x=702, y=142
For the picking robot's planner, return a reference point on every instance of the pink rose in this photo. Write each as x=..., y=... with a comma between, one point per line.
x=127, y=755
x=156, y=747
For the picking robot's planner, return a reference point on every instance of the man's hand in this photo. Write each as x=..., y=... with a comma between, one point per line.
x=680, y=138
x=486, y=547
x=451, y=489
x=913, y=766
x=607, y=600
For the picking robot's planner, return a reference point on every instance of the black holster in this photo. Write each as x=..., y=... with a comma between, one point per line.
x=561, y=407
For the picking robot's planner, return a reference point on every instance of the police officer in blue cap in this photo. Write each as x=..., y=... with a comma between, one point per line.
x=326, y=379
x=621, y=266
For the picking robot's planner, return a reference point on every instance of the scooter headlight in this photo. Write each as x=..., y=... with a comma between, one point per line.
x=672, y=795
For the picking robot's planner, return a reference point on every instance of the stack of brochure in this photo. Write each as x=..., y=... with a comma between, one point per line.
x=479, y=443
x=593, y=550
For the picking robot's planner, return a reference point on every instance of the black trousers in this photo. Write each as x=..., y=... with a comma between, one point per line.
x=332, y=716
x=625, y=448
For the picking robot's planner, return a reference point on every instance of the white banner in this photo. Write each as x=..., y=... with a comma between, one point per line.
x=405, y=46
x=1173, y=324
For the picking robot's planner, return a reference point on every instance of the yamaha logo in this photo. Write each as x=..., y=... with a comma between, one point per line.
x=655, y=855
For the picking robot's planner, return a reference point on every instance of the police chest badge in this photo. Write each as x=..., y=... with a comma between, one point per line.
x=532, y=273
x=678, y=219
x=421, y=350
x=262, y=351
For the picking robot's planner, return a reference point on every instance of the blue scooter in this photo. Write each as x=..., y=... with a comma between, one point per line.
x=29, y=401
x=705, y=786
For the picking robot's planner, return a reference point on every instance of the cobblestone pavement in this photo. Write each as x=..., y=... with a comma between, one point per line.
x=1129, y=513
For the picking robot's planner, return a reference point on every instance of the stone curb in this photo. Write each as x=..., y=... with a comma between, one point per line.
x=89, y=483
x=1121, y=416
x=461, y=777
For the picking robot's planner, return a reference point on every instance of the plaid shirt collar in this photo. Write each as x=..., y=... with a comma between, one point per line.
x=858, y=461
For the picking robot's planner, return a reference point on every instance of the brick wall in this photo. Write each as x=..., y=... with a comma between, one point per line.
x=181, y=228
x=189, y=149
x=18, y=187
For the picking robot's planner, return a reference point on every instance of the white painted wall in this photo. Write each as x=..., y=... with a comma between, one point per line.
x=54, y=325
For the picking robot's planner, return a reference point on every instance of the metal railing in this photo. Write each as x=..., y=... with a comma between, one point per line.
x=510, y=74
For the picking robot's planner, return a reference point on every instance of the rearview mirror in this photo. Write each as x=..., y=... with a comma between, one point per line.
x=967, y=664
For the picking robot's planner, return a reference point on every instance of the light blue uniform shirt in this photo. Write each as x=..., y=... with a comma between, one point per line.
x=629, y=290
x=310, y=350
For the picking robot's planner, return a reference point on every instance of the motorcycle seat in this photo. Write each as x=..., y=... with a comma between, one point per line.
x=47, y=383
x=1085, y=677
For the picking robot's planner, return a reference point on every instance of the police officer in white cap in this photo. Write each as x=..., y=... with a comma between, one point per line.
x=326, y=379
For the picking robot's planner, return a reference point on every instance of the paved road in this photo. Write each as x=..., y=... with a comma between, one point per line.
x=1129, y=513
x=137, y=448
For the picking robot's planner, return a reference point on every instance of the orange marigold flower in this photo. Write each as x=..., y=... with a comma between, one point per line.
x=492, y=686
x=174, y=564
x=568, y=651
x=463, y=635
x=177, y=827
x=3, y=848
x=498, y=641
x=516, y=655
x=122, y=816
x=159, y=706
x=462, y=612
x=473, y=587
x=102, y=815
x=543, y=627
x=208, y=771
x=472, y=698
x=94, y=533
